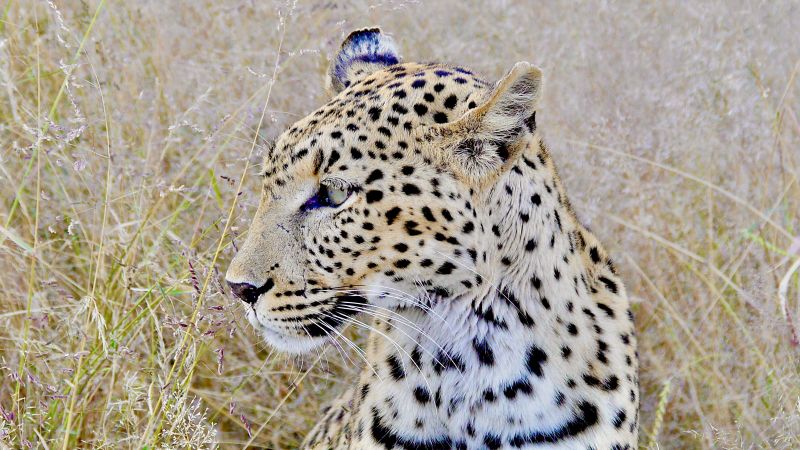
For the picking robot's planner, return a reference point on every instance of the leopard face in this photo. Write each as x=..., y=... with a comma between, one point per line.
x=376, y=201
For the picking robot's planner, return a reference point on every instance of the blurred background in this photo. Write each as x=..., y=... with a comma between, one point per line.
x=126, y=127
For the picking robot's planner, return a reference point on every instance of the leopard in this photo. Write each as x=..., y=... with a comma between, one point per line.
x=421, y=204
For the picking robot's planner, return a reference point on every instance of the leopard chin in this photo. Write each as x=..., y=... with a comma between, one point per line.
x=291, y=344
x=302, y=334
x=295, y=344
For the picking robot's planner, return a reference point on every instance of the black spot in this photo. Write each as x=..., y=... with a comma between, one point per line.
x=531, y=245
x=451, y=101
x=536, y=199
x=595, y=255
x=418, y=84
x=374, y=176
x=492, y=441
x=484, y=352
x=611, y=383
x=384, y=131
x=374, y=196
x=446, y=268
x=400, y=247
x=535, y=360
x=395, y=368
x=399, y=109
x=428, y=214
x=389, y=439
x=520, y=386
x=440, y=117
x=420, y=109
x=334, y=156
x=416, y=357
x=619, y=419
x=572, y=329
x=407, y=170
x=374, y=113
x=606, y=309
x=585, y=417
x=411, y=228
x=411, y=189
x=529, y=163
x=355, y=153
x=439, y=291
x=502, y=151
x=610, y=285
x=422, y=395
x=402, y=263
x=392, y=214
x=591, y=380
x=446, y=361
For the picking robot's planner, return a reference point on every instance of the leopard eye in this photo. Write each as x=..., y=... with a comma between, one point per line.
x=328, y=196
x=336, y=195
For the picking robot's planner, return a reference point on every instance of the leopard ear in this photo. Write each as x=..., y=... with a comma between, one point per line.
x=363, y=51
x=488, y=139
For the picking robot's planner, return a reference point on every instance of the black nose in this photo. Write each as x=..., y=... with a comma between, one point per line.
x=249, y=293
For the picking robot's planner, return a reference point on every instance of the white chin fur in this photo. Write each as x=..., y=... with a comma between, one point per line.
x=282, y=342
x=290, y=344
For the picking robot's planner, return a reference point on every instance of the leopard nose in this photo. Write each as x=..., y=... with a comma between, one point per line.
x=249, y=293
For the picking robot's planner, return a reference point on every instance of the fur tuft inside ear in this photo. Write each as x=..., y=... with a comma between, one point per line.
x=363, y=51
x=488, y=139
x=512, y=105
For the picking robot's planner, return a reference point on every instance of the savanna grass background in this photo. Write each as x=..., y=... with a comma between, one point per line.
x=132, y=132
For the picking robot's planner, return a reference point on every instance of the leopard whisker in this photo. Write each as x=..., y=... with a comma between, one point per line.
x=349, y=343
x=405, y=297
x=392, y=341
x=408, y=323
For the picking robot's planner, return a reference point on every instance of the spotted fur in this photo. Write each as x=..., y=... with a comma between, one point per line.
x=497, y=320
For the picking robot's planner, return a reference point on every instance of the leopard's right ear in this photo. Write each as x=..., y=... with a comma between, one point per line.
x=363, y=51
x=487, y=140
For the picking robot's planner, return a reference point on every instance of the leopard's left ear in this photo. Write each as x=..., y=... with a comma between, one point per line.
x=487, y=140
x=363, y=51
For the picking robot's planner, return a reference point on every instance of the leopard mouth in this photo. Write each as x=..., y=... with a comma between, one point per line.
x=303, y=333
x=288, y=343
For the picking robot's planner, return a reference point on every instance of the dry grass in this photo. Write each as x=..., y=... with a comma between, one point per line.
x=127, y=129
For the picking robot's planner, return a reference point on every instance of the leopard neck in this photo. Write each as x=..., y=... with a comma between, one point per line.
x=531, y=266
